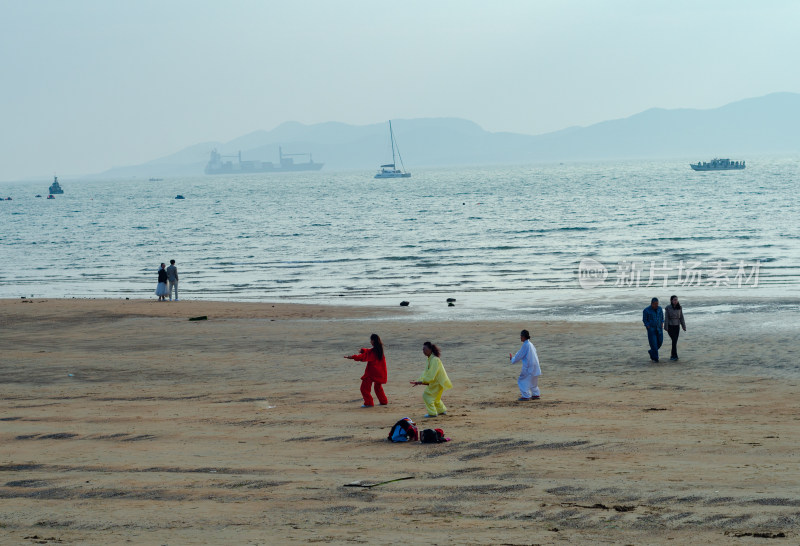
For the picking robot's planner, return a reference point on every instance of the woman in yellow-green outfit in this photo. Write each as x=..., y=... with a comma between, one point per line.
x=435, y=377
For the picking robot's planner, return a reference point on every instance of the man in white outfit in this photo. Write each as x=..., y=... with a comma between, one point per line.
x=529, y=376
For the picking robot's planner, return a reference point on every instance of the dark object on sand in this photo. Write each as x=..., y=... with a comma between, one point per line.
x=361, y=483
x=757, y=535
x=451, y=300
x=404, y=304
x=204, y=317
x=451, y=304
x=179, y=197
x=432, y=436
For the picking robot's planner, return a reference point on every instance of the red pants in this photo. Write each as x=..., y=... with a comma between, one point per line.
x=366, y=386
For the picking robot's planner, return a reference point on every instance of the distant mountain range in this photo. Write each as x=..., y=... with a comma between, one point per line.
x=768, y=124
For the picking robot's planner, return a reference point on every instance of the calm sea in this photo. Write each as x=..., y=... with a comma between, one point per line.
x=581, y=240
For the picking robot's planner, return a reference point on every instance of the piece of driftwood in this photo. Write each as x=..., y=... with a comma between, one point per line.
x=363, y=483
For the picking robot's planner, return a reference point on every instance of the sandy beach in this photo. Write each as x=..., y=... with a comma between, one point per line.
x=124, y=422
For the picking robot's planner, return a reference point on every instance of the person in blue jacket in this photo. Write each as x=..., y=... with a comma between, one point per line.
x=653, y=319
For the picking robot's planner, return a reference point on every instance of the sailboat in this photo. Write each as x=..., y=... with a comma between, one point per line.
x=390, y=170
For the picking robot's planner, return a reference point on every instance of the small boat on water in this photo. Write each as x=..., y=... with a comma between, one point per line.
x=390, y=170
x=50, y=196
x=717, y=165
x=55, y=187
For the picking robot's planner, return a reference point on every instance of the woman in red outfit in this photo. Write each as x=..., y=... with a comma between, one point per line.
x=375, y=372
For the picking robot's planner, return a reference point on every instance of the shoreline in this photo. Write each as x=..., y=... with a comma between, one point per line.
x=220, y=309
x=750, y=312
x=123, y=420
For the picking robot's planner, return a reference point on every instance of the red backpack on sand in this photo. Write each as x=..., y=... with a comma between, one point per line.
x=403, y=431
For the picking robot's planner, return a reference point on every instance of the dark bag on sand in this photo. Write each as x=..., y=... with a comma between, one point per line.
x=432, y=436
x=403, y=431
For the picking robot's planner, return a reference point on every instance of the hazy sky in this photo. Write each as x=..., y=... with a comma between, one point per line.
x=90, y=84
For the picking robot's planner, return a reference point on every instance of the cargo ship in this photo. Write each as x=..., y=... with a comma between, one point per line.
x=233, y=164
x=717, y=165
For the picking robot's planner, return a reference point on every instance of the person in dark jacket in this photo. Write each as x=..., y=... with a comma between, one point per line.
x=161, y=287
x=673, y=322
x=653, y=319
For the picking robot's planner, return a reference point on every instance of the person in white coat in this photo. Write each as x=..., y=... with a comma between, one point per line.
x=529, y=375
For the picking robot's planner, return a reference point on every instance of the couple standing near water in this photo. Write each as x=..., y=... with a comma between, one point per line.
x=655, y=319
x=435, y=377
x=167, y=282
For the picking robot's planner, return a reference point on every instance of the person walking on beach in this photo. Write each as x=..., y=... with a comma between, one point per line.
x=435, y=377
x=673, y=320
x=653, y=319
x=172, y=277
x=375, y=372
x=161, y=287
x=528, y=380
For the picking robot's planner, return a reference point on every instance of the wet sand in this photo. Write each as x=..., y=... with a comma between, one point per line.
x=123, y=421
